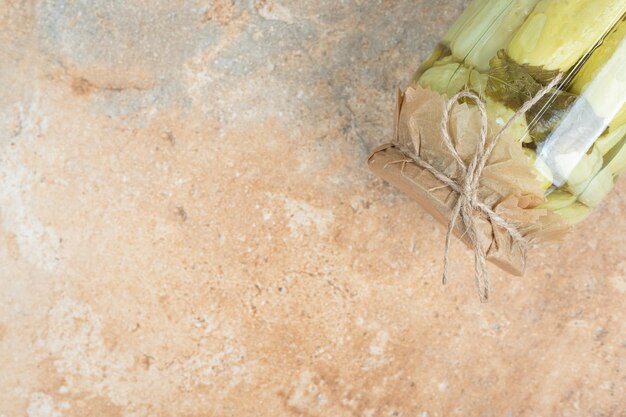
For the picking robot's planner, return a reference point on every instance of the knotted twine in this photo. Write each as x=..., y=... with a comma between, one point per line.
x=468, y=205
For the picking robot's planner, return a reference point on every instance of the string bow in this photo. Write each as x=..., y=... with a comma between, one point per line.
x=468, y=206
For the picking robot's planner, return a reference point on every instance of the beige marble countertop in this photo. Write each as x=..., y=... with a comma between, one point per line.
x=188, y=228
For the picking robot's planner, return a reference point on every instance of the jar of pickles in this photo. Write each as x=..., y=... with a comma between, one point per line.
x=556, y=161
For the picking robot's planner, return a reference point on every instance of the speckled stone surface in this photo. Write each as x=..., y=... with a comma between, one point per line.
x=188, y=228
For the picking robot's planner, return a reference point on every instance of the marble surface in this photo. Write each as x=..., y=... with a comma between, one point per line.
x=188, y=228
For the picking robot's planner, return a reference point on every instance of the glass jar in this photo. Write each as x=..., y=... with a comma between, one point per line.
x=559, y=159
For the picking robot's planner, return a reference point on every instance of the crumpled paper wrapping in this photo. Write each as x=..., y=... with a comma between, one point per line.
x=508, y=183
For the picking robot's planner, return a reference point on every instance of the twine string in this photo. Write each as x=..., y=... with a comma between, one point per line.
x=468, y=206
